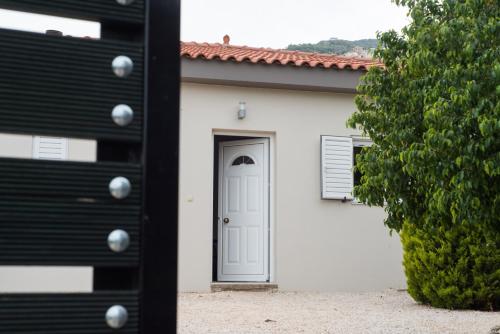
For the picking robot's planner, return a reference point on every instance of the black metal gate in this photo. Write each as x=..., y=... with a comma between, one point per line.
x=118, y=215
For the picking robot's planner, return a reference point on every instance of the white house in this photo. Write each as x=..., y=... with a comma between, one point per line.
x=265, y=174
x=265, y=192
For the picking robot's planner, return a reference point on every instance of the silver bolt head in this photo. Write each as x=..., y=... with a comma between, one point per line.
x=118, y=241
x=122, y=115
x=122, y=66
x=120, y=187
x=116, y=316
x=125, y=2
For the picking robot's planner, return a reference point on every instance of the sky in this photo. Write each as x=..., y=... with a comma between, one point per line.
x=278, y=23
x=259, y=23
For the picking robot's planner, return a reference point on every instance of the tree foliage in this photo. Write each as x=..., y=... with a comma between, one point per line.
x=433, y=113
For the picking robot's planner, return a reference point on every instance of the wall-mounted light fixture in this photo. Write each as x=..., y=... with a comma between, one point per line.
x=242, y=112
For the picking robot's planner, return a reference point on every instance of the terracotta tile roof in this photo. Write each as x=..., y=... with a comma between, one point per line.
x=227, y=52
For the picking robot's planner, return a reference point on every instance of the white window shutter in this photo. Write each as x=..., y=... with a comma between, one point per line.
x=50, y=148
x=336, y=167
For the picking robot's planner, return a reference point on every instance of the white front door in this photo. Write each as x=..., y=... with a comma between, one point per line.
x=243, y=251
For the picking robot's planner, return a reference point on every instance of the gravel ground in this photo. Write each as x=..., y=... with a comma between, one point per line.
x=286, y=312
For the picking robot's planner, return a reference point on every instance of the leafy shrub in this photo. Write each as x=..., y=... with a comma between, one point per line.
x=433, y=113
x=453, y=267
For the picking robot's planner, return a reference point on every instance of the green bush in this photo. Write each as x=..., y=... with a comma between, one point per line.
x=453, y=267
x=433, y=113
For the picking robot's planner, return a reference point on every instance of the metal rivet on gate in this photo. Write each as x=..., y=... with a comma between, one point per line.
x=120, y=187
x=118, y=241
x=122, y=115
x=125, y=2
x=116, y=316
x=122, y=66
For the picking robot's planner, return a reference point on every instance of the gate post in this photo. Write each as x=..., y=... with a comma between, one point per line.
x=159, y=280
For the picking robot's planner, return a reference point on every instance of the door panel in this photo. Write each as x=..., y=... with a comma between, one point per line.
x=233, y=242
x=253, y=194
x=233, y=199
x=253, y=245
x=244, y=210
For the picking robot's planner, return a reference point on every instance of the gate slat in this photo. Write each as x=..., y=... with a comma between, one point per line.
x=95, y=10
x=65, y=86
x=61, y=212
x=77, y=313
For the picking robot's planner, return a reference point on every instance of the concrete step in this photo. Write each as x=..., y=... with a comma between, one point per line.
x=243, y=286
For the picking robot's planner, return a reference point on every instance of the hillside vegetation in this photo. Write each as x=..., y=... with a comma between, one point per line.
x=362, y=47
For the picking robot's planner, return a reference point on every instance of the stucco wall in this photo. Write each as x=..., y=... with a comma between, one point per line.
x=319, y=245
x=21, y=146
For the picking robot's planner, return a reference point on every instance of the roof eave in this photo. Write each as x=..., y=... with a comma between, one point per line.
x=278, y=76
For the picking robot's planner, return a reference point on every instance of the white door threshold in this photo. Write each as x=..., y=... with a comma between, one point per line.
x=243, y=286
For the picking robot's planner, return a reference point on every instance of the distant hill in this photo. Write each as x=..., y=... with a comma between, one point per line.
x=360, y=48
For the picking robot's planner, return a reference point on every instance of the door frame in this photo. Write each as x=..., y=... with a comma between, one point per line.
x=268, y=195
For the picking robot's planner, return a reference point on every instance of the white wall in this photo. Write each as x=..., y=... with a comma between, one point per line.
x=21, y=146
x=319, y=245
x=45, y=279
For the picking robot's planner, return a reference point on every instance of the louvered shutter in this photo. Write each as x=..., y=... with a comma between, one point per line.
x=336, y=167
x=50, y=148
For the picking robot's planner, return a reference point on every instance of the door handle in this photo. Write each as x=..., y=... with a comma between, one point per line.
x=226, y=220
